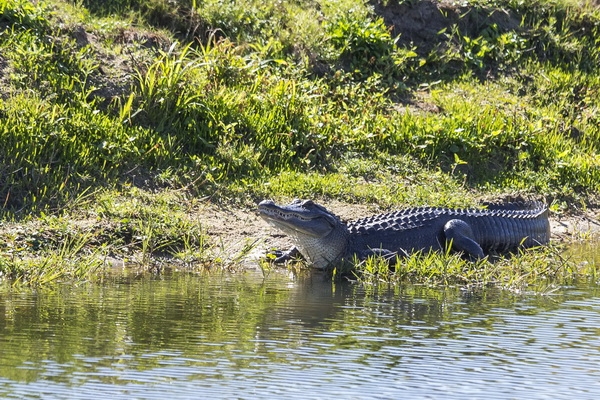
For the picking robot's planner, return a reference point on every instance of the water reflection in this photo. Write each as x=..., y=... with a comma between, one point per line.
x=242, y=336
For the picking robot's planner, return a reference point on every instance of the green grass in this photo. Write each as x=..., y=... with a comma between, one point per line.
x=240, y=101
x=534, y=270
x=132, y=230
x=244, y=107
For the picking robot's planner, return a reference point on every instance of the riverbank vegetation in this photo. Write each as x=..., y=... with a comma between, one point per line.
x=119, y=118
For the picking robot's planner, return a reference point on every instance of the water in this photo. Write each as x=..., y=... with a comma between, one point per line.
x=242, y=336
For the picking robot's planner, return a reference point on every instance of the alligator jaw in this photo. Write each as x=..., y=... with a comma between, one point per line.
x=295, y=219
x=320, y=236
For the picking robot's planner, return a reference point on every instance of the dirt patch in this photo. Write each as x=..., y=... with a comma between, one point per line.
x=116, y=70
x=576, y=227
x=420, y=23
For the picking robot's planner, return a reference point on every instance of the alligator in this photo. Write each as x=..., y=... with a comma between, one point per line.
x=325, y=241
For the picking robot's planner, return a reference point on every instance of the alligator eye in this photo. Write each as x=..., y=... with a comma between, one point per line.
x=308, y=203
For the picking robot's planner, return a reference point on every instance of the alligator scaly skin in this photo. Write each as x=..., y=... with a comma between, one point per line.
x=323, y=239
x=497, y=229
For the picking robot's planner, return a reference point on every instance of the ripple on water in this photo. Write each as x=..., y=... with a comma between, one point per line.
x=187, y=337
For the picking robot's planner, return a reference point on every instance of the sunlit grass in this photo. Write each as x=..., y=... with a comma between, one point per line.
x=535, y=270
x=232, y=108
x=71, y=259
x=239, y=101
x=134, y=229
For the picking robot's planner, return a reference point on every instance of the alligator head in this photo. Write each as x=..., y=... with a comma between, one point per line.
x=320, y=236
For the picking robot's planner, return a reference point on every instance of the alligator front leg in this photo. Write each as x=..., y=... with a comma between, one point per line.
x=460, y=234
x=282, y=256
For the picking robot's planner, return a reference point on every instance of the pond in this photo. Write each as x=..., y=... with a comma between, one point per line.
x=245, y=336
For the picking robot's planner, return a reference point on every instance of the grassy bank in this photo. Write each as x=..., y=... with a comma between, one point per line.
x=365, y=102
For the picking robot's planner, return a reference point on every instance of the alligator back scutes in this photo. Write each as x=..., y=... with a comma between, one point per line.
x=395, y=221
x=516, y=206
x=416, y=217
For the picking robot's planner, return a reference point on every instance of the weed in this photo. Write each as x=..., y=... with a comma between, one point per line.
x=251, y=99
x=25, y=15
x=532, y=269
x=365, y=46
x=70, y=261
